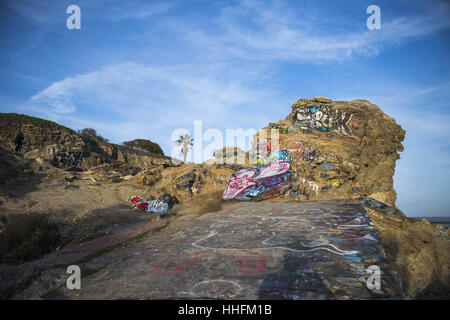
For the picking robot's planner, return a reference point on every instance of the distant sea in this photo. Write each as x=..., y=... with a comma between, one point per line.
x=441, y=220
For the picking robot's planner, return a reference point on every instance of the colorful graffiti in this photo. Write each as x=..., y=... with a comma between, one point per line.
x=327, y=166
x=255, y=183
x=163, y=203
x=281, y=129
x=265, y=147
x=298, y=150
x=333, y=183
x=324, y=118
x=64, y=158
x=265, y=152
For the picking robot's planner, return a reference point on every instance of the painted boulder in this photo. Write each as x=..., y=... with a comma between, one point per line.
x=258, y=183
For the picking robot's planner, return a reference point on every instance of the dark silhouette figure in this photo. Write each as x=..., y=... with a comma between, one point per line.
x=18, y=141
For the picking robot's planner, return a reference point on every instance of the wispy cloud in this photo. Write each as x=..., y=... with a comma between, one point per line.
x=271, y=30
x=51, y=12
x=151, y=101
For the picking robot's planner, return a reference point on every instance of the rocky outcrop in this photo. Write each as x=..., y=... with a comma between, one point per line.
x=63, y=147
x=337, y=149
x=420, y=251
x=185, y=182
x=39, y=134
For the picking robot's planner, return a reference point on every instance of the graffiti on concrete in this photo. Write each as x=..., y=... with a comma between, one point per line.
x=324, y=118
x=256, y=182
x=265, y=250
x=250, y=262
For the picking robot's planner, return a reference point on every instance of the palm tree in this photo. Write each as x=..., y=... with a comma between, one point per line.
x=185, y=142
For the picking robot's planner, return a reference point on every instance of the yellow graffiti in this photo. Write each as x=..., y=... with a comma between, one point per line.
x=335, y=182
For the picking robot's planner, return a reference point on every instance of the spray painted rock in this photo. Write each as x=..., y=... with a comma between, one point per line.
x=266, y=181
x=184, y=181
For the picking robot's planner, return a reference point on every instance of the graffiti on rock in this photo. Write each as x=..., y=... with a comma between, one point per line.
x=196, y=188
x=163, y=203
x=325, y=119
x=64, y=158
x=309, y=155
x=327, y=166
x=267, y=152
x=299, y=151
x=281, y=129
x=260, y=182
x=379, y=206
x=333, y=183
x=311, y=184
x=355, y=123
x=185, y=181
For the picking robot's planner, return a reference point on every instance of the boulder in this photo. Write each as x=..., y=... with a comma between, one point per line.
x=337, y=149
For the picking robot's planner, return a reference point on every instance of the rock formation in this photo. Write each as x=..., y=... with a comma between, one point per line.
x=63, y=147
x=337, y=149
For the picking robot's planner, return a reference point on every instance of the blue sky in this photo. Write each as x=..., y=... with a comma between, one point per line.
x=141, y=69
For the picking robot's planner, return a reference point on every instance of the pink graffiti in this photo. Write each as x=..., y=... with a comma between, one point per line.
x=250, y=178
x=274, y=169
x=239, y=183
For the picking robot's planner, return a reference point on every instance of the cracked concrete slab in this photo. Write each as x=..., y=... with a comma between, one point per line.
x=263, y=250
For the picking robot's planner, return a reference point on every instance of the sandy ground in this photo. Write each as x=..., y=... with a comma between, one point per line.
x=95, y=200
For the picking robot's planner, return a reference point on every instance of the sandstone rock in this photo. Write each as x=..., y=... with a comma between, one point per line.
x=421, y=256
x=150, y=176
x=338, y=149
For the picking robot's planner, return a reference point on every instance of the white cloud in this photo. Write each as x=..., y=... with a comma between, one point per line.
x=270, y=30
x=51, y=12
x=129, y=100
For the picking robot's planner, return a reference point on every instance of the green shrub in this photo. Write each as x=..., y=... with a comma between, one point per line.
x=33, y=119
x=144, y=145
x=91, y=134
